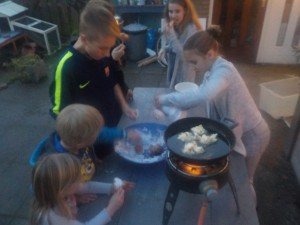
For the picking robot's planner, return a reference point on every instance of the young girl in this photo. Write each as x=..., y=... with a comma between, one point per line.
x=56, y=180
x=181, y=22
x=226, y=96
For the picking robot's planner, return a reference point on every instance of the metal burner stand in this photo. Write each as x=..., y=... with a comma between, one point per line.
x=208, y=188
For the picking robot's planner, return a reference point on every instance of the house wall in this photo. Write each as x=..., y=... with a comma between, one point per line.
x=268, y=51
x=202, y=7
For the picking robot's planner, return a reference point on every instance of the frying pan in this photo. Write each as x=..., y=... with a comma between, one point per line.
x=151, y=133
x=214, y=151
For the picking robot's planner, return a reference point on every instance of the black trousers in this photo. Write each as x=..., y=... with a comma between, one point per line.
x=103, y=150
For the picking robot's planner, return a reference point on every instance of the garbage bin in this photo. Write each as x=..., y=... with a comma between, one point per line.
x=136, y=45
x=152, y=38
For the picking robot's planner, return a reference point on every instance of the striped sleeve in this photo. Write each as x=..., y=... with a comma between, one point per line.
x=60, y=93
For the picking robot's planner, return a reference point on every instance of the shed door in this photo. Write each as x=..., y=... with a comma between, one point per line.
x=280, y=34
x=241, y=22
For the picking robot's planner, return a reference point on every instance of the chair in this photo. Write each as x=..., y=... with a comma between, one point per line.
x=37, y=152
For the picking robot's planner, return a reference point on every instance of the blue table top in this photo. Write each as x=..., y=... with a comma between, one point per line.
x=145, y=203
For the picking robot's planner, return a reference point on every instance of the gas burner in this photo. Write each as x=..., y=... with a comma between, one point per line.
x=197, y=178
x=203, y=173
x=188, y=176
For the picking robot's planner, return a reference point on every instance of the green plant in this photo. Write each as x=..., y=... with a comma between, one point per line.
x=29, y=68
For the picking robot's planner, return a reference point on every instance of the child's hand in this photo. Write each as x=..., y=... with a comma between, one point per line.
x=71, y=202
x=128, y=186
x=129, y=95
x=169, y=27
x=115, y=202
x=123, y=37
x=85, y=198
x=131, y=113
x=159, y=115
x=118, y=52
x=157, y=102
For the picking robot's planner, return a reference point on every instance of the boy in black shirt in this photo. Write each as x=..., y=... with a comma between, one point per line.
x=83, y=75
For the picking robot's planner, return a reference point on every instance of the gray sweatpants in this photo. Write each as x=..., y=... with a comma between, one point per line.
x=255, y=142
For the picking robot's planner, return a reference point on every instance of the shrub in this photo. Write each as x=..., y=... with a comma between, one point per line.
x=30, y=68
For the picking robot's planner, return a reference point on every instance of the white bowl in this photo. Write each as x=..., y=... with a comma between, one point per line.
x=183, y=86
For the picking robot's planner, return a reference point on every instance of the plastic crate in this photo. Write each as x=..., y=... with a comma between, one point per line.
x=279, y=98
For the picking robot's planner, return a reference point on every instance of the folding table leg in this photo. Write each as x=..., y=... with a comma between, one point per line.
x=234, y=192
x=170, y=202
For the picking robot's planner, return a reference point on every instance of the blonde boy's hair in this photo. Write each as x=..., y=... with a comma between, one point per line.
x=79, y=124
x=97, y=20
x=51, y=177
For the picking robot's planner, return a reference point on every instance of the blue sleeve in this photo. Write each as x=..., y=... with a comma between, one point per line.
x=109, y=134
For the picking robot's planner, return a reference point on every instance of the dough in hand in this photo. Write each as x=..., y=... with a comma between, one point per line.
x=118, y=183
x=158, y=114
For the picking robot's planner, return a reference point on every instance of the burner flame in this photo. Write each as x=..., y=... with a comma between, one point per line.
x=192, y=169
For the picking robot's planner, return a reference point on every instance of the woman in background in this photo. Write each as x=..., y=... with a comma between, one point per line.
x=181, y=22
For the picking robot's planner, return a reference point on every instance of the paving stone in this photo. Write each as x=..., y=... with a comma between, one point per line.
x=3, y=86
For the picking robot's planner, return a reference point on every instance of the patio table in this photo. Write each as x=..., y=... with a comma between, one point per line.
x=144, y=205
x=11, y=38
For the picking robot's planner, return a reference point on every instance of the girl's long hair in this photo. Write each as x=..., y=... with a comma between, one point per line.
x=51, y=177
x=190, y=15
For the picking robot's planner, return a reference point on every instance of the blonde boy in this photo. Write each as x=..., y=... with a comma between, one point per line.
x=82, y=76
x=77, y=129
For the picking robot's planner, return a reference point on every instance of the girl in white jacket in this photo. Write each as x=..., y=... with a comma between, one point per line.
x=225, y=95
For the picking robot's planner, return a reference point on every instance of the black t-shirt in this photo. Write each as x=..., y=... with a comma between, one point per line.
x=79, y=79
